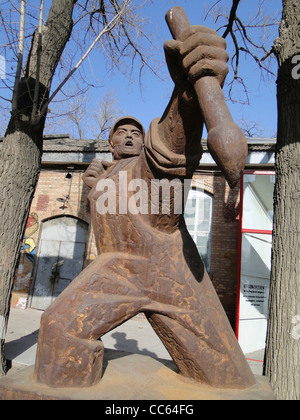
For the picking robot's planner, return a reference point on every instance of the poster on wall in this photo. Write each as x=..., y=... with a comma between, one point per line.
x=255, y=275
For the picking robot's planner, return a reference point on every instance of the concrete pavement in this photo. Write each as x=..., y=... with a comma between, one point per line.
x=134, y=336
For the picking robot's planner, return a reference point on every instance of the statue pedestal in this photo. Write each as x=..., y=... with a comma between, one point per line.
x=129, y=377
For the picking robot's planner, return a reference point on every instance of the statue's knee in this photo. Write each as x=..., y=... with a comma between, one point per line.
x=49, y=325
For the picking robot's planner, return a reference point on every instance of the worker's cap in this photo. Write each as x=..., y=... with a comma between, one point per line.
x=123, y=121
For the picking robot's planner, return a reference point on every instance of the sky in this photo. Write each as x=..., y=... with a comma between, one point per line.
x=147, y=100
x=150, y=101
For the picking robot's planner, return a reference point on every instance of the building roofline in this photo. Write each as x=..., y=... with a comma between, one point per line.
x=63, y=143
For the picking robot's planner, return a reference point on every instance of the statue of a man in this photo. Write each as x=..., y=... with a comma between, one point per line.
x=147, y=261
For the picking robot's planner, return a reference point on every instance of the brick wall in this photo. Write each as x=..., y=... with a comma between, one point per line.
x=224, y=238
x=50, y=199
x=224, y=249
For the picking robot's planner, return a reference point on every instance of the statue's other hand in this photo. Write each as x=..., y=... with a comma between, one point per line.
x=92, y=173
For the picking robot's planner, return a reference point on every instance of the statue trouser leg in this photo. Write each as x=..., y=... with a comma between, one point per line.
x=70, y=352
x=200, y=339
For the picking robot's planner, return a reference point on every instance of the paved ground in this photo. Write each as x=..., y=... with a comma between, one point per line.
x=134, y=336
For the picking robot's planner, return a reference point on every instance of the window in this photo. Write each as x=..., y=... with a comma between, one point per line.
x=255, y=259
x=198, y=217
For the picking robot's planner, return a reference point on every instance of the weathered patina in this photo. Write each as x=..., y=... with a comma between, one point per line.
x=147, y=260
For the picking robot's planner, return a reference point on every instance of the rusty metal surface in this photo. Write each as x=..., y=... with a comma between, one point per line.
x=147, y=262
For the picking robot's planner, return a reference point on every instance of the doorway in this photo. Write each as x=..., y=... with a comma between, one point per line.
x=60, y=258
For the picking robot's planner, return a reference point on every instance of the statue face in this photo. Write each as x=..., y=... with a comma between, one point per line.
x=127, y=141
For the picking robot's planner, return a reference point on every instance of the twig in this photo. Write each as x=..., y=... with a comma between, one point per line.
x=38, y=62
x=20, y=57
x=214, y=5
x=232, y=17
x=109, y=27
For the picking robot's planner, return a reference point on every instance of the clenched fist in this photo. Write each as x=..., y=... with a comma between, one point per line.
x=200, y=52
x=92, y=173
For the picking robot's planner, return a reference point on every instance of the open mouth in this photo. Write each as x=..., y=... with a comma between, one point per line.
x=129, y=143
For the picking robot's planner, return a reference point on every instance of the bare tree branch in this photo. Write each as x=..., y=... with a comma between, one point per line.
x=245, y=41
x=104, y=116
x=125, y=47
x=108, y=28
x=232, y=17
x=250, y=128
x=20, y=57
x=38, y=62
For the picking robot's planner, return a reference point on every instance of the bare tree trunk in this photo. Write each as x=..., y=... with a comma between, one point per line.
x=283, y=346
x=20, y=163
x=22, y=147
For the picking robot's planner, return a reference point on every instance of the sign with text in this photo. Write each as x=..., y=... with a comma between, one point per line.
x=254, y=298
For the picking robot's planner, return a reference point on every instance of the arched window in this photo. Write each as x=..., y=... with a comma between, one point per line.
x=198, y=218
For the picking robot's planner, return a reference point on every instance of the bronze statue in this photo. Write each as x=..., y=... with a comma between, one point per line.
x=147, y=260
